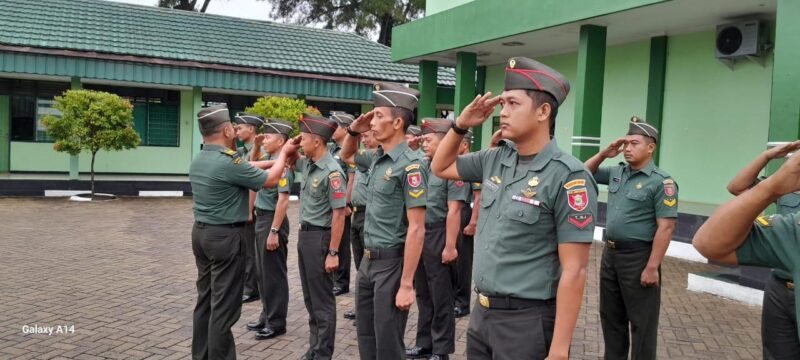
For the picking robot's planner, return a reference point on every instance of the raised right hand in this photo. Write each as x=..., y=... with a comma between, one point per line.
x=783, y=150
x=615, y=148
x=477, y=111
x=362, y=123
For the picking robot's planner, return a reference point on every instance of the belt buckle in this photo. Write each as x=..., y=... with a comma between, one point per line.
x=611, y=244
x=483, y=300
x=368, y=254
x=354, y=209
x=790, y=285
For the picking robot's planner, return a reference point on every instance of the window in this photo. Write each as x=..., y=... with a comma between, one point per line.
x=156, y=113
x=30, y=102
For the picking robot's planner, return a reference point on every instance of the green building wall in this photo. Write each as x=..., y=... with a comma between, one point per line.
x=715, y=120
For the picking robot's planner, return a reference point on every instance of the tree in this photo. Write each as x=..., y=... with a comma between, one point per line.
x=91, y=121
x=189, y=5
x=283, y=108
x=361, y=16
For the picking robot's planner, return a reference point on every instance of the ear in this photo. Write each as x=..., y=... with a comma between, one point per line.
x=651, y=147
x=543, y=112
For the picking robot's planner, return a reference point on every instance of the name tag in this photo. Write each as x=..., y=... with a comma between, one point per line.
x=526, y=200
x=491, y=185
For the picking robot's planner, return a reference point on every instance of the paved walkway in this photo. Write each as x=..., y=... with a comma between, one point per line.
x=122, y=274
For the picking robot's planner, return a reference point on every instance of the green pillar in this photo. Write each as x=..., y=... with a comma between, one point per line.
x=655, y=85
x=465, y=80
x=428, y=82
x=5, y=134
x=480, y=88
x=589, y=91
x=197, y=104
x=74, y=163
x=784, y=116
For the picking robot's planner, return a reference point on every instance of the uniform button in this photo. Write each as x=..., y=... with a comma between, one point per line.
x=519, y=213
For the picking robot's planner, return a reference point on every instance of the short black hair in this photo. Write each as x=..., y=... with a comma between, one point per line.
x=212, y=131
x=405, y=114
x=541, y=97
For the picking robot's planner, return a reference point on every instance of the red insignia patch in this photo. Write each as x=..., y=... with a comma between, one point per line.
x=336, y=183
x=414, y=179
x=338, y=195
x=459, y=183
x=669, y=190
x=578, y=199
x=580, y=220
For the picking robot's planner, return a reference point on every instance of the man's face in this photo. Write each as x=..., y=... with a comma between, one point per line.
x=411, y=145
x=229, y=134
x=273, y=142
x=430, y=142
x=368, y=139
x=519, y=115
x=383, y=125
x=639, y=150
x=310, y=143
x=245, y=132
x=339, y=134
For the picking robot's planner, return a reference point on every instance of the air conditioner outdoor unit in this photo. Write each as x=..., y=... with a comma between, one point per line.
x=740, y=40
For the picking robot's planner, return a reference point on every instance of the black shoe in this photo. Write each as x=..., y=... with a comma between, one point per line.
x=460, y=312
x=417, y=352
x=269, y=333
x=350, y=315
x=308, y=356
x=438, y=357
x=340, y=291
x=255, y=325
x=249, y=298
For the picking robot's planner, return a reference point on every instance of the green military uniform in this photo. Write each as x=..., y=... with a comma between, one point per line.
x=434, y=280
x=396, y=183
x=778, y=319
x=358, y=200
x=529, y=206
x=220, y=182
x=773, y=242
x=636, y=199
x=341, y=278
x=462, y=285
x=323, y=189
x=250, y=292
x=271, y=269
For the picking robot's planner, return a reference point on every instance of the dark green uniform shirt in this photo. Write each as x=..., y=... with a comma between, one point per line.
x=244, y=151
x=358, y=197
x=396, y=182
x=335, y=150
x=441, y=191
x=636, y=198
x=267, y=198
x=220, y=180
x=323, y=189
x=525, y=215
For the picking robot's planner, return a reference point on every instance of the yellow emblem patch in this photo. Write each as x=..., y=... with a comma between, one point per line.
x=334, y=175
x=237, y=160
x=669, y=181
x=534, y=181
x=230, y=152
x=670, y=202
x=416, y=194
x=575, y=183
x=282, y=182
x=412, y=167
x=763, y=220
x=496, y=179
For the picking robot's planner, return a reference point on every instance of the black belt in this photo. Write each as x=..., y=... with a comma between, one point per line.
x=231, y=225
x=436, y=224
x=308, y=227
x=509, y=302
x=261, y=212
x=627, y=245
x=789, y=284
x=389, y=253
x=357, y=209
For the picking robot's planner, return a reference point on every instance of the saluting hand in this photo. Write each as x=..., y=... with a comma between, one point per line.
x=362, y=123
x=786, y=179
x=615, y=148
x=290, y=148
x=415, y=141
x=477, y=111
x=259, y=140
x=649, y=277
x=783, y=150
x=405, y=297
x=331, y=263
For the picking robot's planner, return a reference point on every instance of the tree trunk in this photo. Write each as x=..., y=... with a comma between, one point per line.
x=94, y=153
x=385, y=35
x=205, y=6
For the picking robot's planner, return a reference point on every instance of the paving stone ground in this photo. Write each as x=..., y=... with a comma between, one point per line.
x=122, y=274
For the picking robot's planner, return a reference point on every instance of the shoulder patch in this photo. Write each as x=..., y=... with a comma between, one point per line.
x=574, y=183
x=237, y=160
x=334, y=174
x=764, y=221
x=668, y=181
x=229, y=152
x=412, y=167
x=670, y=202
x=414, y=179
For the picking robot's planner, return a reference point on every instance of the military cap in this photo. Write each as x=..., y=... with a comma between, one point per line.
x=394, y=95
x=318, y=125
x=414, y=130
x=211, y=117
x=433, y=126
x=638, y=126
x=249, y=119
x=278, y=126
x=528, y=74
x=342, y=118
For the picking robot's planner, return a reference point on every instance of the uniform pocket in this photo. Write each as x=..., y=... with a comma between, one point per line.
x=613, y=186
x=637, y=195
x=790, y=200
x=524, y=213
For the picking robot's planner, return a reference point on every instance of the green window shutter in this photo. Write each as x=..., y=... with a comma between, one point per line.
x=162, y=125
x=140, y=120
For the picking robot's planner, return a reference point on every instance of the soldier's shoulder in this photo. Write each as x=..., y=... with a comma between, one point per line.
x=234, y=156
x=663, y=174
x=413, y=156
x=570, y=162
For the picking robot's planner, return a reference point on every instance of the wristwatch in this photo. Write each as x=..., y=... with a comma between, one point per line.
x=273, y=231
x=333, y=252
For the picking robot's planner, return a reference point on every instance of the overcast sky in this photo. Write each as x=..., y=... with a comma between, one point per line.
x=248, y=9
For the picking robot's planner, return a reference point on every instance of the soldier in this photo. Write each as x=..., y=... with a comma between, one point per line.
x=536, y=220
x=358, y=203
x=220, y=180
x=641, y=216
x=394, y=226
x=737, y=234
x=247, y=126
x=341, y=278
x=462, y=283
x=434, y=279
x=323, y=198
x=413, y=134
x=272, y=237
x=779, y=339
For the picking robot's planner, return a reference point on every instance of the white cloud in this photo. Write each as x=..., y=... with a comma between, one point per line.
x=247, y=9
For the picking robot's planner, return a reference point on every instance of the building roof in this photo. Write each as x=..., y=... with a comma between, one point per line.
x=149, y=32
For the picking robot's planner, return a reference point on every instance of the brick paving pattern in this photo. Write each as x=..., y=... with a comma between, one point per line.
x=122, y=273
